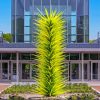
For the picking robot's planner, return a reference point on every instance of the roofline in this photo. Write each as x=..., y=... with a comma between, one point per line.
x=67, y=50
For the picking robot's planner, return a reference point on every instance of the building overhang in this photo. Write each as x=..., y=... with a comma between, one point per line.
x=82, y=50
x=30, y=47
x=18, y=50
x=67, y=50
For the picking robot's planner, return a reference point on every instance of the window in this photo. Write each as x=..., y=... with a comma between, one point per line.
x=63, y=6
x=26, y=30
x=45, y=4
x=20, y=7
x=54, y=4
x=13, y=56
x=75, y=71
x=25, y=56
x=14, y=69
x=73, y=30
x=26, y=38
x=86, y=56
x=28, y=5
x=4, y=70
x=6, y=56
x=80, y=38
x=73, y=20
x=37, y=5
x=27, y=20
x=74, y=56
x=94, y=56
x=25, y=71
x=37, y=2
x=73, y=38
x=73, y=7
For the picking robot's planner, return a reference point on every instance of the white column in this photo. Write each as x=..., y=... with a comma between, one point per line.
x=31, y=71
x=91, y=70
x=98, y=71
x=68, y=71
x=82, y=68
x=17, y=64
x=88, y=71
x=80, y=71
x=0, y=72
x=8, y=70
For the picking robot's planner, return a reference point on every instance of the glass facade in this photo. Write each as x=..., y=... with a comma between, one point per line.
x=75, y=12
x=32, y=56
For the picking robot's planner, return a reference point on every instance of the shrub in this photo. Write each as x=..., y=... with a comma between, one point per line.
x=16, y=98
x=82, y=97
x=20, y=89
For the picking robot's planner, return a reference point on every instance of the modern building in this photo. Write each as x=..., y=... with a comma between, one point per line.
x=17, y=59
x=75, y=12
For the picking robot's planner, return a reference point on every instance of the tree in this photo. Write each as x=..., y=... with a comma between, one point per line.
x=92, y=41
x=7, y=37
x=50, y=44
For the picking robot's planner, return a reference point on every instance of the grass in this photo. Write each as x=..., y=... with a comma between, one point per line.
x=16, y=89
x=70, y=88
x=78, y=88
x=82, y=97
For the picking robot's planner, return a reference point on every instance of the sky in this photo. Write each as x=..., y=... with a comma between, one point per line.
x=94, y=19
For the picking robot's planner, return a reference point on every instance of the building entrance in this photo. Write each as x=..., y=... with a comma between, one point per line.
x=85, y=69
x=94, y=70
x=5, y=71
x=74, y=71
x=14, y=72
x=25, y=71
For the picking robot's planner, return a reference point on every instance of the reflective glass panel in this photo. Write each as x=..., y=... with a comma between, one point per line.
x=74, y=56
x=25, y=71
x=73, y=30
x=26, y=30
x=26, y=38
x=6, y=56
x=27, y=20
x=73, y=20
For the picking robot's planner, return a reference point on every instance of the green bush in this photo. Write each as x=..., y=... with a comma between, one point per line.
x=20, y=89
x=78, y=88
x=15, y=98
x=82, y=97
x=70, y=88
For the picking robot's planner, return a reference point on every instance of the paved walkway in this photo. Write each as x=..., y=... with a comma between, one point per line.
x=96, y=88
x=4, y=86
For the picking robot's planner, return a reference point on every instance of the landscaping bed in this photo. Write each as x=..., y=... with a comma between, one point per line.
x=27, y=92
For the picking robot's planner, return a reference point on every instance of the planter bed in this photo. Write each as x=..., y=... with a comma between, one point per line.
x=28, y=92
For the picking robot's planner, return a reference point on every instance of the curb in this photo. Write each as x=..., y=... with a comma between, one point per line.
x=96, y=90
x=6, y=88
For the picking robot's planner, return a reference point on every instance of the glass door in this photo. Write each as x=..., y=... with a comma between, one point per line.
x=85, y=71
x=14, y=72
x=5, y=71
x=94, y=70
x=25, y=71
x=75, y=71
